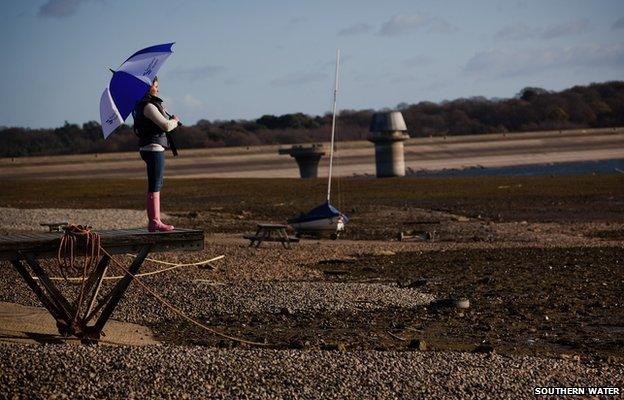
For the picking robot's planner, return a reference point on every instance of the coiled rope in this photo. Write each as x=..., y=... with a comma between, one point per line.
x=66, y=257
x=75, y=234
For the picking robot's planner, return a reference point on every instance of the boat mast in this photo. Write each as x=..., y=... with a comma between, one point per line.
x=333, y=130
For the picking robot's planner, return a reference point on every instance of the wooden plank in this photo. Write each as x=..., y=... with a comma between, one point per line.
x=21, y=237
x=120, y=232
x=44, y=236
x=46, y=245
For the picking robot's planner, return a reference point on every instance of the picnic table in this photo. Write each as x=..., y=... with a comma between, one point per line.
x=271, y=233
x=30, y=248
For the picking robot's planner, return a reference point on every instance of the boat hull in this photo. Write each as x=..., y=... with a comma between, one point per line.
x=334, y=224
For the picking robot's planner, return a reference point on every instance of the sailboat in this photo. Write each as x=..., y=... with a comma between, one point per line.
x=325, y=218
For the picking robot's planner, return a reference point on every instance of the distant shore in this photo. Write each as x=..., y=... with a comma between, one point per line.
x=559, y=152
x=614, y=166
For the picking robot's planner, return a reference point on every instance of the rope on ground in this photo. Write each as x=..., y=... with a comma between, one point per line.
x=180, y=265
x=160, y=271
x=180, y=312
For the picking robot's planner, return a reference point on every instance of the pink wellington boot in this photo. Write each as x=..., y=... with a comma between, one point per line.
x=153, y=214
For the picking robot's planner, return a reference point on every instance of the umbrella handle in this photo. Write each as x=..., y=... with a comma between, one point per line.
x=172, y=145
x=171, y=116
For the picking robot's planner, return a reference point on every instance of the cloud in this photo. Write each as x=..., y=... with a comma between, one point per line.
x=417, y=61
x=619, y=24
x=403, y=24
x=515, y=32
x=434, y=85
x=522, y=31
x=298, y=20
x=503, y=63
x=59, y=8
x=356, y=29
x=439, y=25
x=566, y=29
x=400, y=24
x=198, y=73
x=298, y=79
x=192, y=102
x=401, y=79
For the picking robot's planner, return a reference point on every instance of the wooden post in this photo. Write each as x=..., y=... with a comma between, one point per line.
x=119, y=290
x=49, y=286
x=95, y=279
x=47, y=302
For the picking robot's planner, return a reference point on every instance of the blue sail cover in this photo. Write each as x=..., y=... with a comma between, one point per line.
x=324, y=211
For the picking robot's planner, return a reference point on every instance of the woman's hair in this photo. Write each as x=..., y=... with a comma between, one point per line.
x=154, y=80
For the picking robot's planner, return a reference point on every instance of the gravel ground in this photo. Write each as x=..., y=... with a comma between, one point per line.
x=203, y=293
x=310, y=297
x=241, y=280
x=29, y=219
x=163, y=372
x=268, y=280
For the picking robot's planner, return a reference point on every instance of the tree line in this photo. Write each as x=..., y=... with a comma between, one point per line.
x=593, y=106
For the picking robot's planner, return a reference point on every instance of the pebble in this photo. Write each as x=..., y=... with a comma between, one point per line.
x=173, y=372
x=264, y=280
x=417, y=344
x=29, y=219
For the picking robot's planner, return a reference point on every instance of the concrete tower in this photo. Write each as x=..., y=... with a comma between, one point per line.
x=388, y=132
x=307, y=158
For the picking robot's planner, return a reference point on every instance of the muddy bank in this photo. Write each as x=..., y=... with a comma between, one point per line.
x=538, y=301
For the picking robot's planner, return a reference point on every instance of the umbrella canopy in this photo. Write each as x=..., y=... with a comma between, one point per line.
x=129, y=84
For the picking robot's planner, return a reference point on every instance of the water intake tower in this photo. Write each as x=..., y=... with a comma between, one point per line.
x=307, y=158
x=388, y=131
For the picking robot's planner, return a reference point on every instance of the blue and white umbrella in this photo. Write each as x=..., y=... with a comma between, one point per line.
x=129, y=84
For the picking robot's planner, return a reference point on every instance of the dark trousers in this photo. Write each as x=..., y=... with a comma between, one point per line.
x=155, y=163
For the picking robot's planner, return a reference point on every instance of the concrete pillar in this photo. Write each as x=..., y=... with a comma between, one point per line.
x=388, y=132
x=307, y=158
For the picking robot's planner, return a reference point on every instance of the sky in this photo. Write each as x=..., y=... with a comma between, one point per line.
x=236, y=59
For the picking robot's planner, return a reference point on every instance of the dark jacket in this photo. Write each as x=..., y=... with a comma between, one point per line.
x=147, y=131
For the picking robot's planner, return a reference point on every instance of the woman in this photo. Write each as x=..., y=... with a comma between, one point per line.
x=151, y=125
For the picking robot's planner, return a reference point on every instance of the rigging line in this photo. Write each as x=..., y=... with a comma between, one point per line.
x=180, y=312
x=159, y=271
x=339, y=178
x=337, y=159
x=331, y=145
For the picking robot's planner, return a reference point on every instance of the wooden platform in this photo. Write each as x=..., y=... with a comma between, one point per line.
x=74, y=317
x=119, y=241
